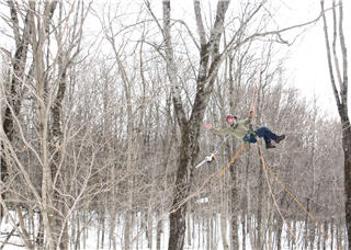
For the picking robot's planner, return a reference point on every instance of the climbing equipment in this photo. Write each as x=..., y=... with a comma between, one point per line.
x=209, y=158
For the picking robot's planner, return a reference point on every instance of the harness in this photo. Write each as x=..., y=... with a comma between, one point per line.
x=251, y=135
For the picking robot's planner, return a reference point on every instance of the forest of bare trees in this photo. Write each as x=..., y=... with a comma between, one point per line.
x=102, y=109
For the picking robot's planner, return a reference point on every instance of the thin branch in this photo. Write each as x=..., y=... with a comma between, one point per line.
x=217, y=30
x=14, y=20
x=336, y=61
x=189, y=31
x=199, y=22
x=233, y=45
x=330, y=65
x=171, y=65
x=148, y=6
x=344, y=85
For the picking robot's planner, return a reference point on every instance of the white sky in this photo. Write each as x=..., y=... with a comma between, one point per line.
x=307, y=62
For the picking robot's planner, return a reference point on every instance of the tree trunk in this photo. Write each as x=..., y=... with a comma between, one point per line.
x=149, y=228
x=103, y=228
x=190, y=127
x=177, y=218
x=341, y=96
x=293, y=240
x=319, y=235
x=312, y=235
x=332, y=234
x=234, y=239
x=306, y=229
x=346, y=143
x=259, y=230
x=159, y=234
x=223, y=221
x=189, y=229
x=324, y=235
x=208, y=232
x=279, y=230
x=14, y=93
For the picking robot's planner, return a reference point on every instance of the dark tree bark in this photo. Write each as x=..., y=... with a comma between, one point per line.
x=235, y=206
x=51, y=133
x=59, y=177
x=341, y=96
x=190, y=127
x=14, y=92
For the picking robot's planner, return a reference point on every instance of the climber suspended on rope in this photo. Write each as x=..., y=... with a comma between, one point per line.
x=242, y=129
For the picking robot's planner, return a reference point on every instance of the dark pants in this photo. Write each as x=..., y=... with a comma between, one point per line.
x=264, y=132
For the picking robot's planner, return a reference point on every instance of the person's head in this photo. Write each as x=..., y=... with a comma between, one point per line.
x=230, y=119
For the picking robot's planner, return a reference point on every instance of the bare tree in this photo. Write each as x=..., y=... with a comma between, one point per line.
x=104, y=132
x=190, y=126
x=339, y=81
x=14, y=91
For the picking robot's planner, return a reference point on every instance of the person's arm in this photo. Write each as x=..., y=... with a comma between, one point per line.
x=221, y=131
x=217, y=131
x=247, y=121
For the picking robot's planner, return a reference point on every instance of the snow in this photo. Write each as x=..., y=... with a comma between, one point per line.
x=199, y=234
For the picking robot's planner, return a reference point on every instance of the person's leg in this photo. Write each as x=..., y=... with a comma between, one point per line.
x=250, y=138
x=280, y=138
x=267, y=134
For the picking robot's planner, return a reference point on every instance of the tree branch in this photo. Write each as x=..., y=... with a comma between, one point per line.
x=199, y=22
x=344, y=85
x=14, y=20
x=330, y=64
x=171, y=66
x=336, y=61
x=218, y=26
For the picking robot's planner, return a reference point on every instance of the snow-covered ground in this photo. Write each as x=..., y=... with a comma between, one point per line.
x=89, y=238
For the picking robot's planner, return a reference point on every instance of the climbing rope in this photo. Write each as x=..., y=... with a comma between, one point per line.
x=264, y=168
x=211, y=157
x=289, y=192
x=219, y=172
x=267, y=170
x=268, y=174
x=236, y=156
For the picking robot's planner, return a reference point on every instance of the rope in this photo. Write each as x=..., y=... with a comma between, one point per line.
x=210, y=157
x=254, y=98
x=267, y=170
x=219, y=172
x=243, y=147
x=290, y=193
x=262, y=160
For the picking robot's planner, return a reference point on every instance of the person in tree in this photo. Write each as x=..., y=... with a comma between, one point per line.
x=242, y=129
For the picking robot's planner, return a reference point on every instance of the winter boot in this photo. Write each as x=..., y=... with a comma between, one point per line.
x=269, y=145
x=280, y=138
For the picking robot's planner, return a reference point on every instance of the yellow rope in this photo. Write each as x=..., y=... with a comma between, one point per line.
x=262, y=160
x=294, y=197
x=234, y=158
x=266, y=168
x=219, y=172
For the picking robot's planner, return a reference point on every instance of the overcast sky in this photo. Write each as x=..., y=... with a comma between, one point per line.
x=307, y=62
